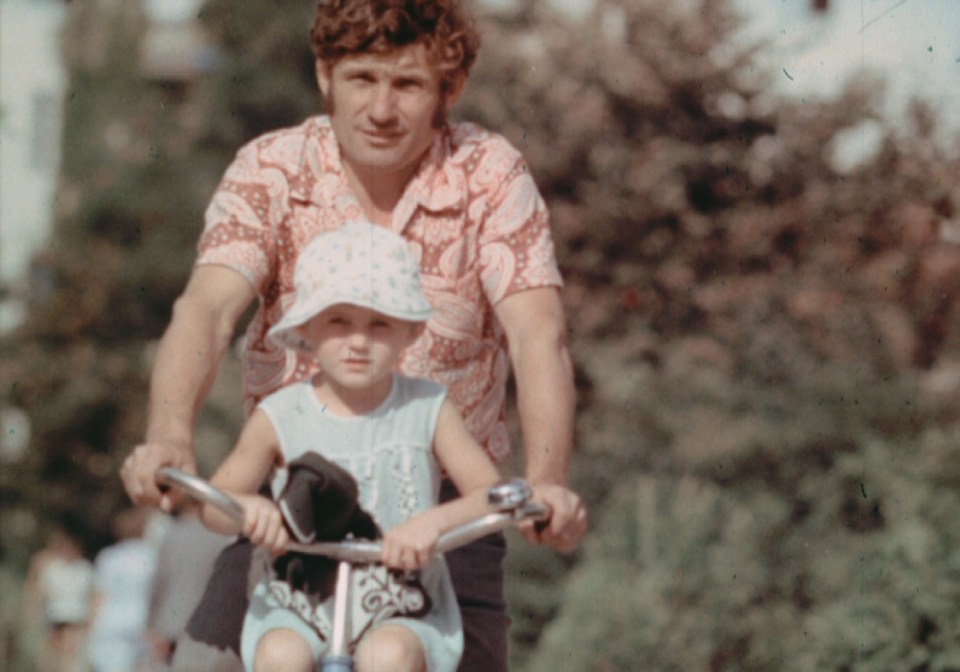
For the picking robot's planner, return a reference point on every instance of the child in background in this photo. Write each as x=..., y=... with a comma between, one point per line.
x=60, y=595
x=358, y=305
x=124, y=572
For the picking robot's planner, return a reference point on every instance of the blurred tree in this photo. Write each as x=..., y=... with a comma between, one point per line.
x=134, y=182
x=266, y=79
x=752, y=311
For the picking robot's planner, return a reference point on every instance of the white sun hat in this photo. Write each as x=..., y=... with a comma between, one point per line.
x=359, y=264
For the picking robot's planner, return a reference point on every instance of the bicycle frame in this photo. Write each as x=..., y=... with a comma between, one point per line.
x=510, y=505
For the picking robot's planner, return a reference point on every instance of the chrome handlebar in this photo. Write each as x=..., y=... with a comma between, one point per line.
x=509, y=499
x=201, y=490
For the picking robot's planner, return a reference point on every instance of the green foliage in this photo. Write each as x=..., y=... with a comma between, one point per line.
x=835, y=572
x=265, y=77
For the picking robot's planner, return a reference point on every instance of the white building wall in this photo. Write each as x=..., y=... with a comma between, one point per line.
x=32, y=88
x=913, y=44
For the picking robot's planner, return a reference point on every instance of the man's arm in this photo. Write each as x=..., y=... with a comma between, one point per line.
x=536, y=333
x=189, y=355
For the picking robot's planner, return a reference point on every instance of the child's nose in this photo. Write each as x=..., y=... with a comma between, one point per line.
x=359, y=339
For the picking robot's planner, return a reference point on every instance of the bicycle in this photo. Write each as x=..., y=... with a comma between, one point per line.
x=510, y=505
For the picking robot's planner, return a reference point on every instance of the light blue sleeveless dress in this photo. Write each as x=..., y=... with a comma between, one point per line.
x=390, y=454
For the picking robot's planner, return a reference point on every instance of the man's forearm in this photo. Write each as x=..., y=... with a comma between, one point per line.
x=546, y=402
x=185, y=369
x=547, y=398
x=537, y=337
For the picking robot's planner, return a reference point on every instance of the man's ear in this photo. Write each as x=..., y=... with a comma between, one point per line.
x=457, y=83
x=322, y=69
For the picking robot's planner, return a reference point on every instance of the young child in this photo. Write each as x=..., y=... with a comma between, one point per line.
x=59, y=598
x=358, y=304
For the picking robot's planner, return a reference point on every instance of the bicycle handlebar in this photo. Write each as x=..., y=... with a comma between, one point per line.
x=510, y=498
x=202, y=491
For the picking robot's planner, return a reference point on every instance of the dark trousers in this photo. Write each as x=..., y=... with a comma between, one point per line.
x=211, y=642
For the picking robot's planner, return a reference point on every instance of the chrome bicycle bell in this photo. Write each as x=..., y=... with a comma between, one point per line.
x=508, y=494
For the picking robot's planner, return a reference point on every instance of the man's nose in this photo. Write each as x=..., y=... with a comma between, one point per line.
x=383, y=104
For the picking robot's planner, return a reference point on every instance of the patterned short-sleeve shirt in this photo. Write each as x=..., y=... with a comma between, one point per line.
x=472, y=213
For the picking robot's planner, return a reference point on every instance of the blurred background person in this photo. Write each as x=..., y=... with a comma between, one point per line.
x=184, y=564
x=124, y=574
x=59, y=595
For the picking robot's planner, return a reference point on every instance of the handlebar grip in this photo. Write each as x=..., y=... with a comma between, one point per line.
x=538, y=512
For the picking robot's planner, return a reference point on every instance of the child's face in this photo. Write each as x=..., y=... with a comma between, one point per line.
x=356, y=347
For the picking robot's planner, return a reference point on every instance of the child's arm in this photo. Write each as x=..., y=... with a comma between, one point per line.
x=412, y=544
x=241, y=475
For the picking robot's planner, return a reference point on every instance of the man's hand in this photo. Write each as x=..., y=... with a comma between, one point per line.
x=568, y=520
x=139, y=472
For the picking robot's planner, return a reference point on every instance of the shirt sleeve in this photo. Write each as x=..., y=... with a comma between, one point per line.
x=516, y=244
x=240, y=221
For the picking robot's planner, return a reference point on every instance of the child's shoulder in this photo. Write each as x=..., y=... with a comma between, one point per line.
x=285, y=394
x=409, y=387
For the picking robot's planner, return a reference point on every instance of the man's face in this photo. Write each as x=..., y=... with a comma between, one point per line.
x=383, y=107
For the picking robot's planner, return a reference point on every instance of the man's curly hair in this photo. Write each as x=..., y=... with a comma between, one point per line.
x=346, y=27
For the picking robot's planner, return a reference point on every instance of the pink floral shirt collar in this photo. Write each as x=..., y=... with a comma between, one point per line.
x=436, y=186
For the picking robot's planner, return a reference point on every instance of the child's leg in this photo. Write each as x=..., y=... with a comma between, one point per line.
x=391, y=648
x=283, y=650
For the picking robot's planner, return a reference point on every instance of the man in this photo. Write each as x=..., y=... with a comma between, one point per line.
x=389, y=70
